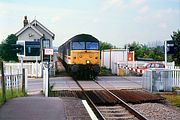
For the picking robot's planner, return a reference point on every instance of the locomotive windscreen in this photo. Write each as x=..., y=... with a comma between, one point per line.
x=92, y=45
x=85, y=45
x=78, y=45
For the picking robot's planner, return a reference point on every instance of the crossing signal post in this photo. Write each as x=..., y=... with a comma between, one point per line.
x=170, y=48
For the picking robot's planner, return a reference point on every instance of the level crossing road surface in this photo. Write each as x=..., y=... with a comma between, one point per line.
x=116, y=82
x=33, y=108
x=67, y=83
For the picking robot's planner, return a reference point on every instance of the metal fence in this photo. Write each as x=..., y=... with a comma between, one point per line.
x=155, y=80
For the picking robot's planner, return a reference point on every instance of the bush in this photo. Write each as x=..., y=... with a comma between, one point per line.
x=105, y=72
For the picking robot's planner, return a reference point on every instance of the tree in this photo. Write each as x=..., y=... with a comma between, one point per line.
x=136, y=47
x=176, y=38
x=143, y=51
x=105, y=45
x=6, y=51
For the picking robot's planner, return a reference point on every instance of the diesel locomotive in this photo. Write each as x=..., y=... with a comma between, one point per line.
x=80, y=56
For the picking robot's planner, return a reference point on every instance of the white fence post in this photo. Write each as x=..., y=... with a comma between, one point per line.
x=46, y=82
x=26, y=80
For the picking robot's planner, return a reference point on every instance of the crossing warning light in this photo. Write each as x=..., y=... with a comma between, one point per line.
x=130, y=56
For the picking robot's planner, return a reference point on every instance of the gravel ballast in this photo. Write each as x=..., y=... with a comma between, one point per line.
x=157, y=111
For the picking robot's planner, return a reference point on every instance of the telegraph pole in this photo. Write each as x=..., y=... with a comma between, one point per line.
x=3, y=82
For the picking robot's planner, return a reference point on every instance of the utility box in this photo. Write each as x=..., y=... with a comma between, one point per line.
x=157, y=80
x=121, y=72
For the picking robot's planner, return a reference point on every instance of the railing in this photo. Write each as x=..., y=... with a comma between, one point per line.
x=170, y=65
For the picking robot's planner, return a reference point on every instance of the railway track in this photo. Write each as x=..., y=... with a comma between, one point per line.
x=120, y=110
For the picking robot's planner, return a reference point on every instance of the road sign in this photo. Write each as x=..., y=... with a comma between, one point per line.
x=48, y=51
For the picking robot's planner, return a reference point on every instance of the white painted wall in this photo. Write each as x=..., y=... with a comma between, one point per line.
x=25, y=35
x=117, y=55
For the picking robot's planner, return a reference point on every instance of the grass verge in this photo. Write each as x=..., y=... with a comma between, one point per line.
x=10, y=94
x=173, y=99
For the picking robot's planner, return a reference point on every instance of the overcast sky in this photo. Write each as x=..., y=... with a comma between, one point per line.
x=115, y=21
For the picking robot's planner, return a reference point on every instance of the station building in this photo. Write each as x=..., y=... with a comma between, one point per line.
x=36, y=36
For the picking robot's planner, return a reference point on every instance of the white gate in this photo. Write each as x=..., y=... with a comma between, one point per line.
x=176, y=76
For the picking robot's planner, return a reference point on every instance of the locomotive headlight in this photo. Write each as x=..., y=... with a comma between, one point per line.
x=87, y=61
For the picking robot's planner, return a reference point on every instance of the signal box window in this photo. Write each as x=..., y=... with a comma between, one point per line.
x=46, y=43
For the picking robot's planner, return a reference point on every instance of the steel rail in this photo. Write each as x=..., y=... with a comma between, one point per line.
x=92, y=105
x=124, y=104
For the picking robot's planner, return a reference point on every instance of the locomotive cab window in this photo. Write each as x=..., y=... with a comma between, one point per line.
x=92, y=45
x=78, y=45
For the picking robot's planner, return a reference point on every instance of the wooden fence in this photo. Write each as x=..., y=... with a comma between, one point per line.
x=11, y=84
x=13, y=81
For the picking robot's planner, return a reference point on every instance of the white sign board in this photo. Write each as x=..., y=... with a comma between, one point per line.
x=48, y=51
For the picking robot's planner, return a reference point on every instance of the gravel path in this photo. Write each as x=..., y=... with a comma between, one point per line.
x=74, y=109
x=157, y=111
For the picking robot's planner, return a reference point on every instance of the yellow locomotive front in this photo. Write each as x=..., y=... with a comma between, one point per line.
x=81, y=56
x=85, y=57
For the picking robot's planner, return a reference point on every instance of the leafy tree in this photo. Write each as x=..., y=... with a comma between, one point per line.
x=6, y=50
x=136, y=47
x=105, y=45
x=176, y=38
x=143, y=51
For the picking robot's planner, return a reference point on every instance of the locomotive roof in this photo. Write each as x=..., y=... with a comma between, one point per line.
x=79, y=38
x=83, y=38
